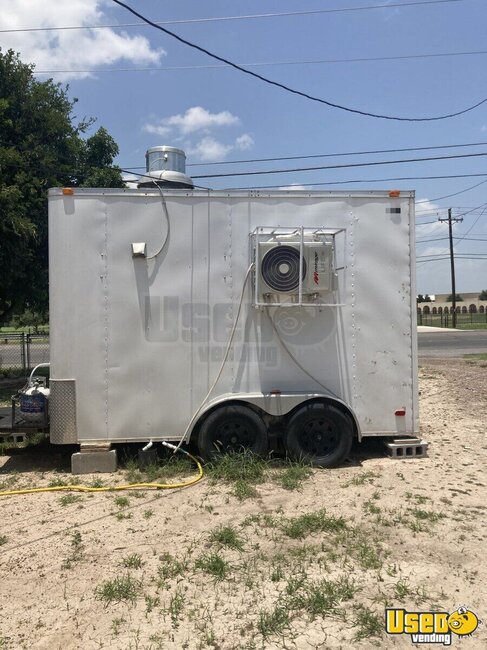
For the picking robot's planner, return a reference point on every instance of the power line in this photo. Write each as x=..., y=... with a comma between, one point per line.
x=424, y=241
x=368, y=180
x=448, y=196
x=447, y=257
x=472, y=226
x=288, y=88
x=479, y=207
x=262, y=64
x=349, y=165
x=330, y=155
x=435, y=255
x=228, y=18
x=351, y=182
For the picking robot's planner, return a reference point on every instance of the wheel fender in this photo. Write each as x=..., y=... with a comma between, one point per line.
x=273, y=404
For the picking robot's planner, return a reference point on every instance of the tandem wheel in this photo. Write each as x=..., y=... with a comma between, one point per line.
x=232, y=429
x=319, y=434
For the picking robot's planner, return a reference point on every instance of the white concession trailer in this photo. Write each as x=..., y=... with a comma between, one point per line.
x=232, y=318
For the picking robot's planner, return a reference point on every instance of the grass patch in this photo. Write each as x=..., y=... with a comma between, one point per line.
x=116, y=625
x=427, y=515
x=302, y=596
x=121, y=502
x=368, y=624
x=361, y=479
x=227, y=536
x=418, y=498
x=312, y=522
x=243, y=490
x=151, y=602
x=324, y=597
x=161, y=471
x=273, y=622
x=476, y=357
x=213, y=564
x=77, y=550
x=122, y=588
x=133, y=561
x=176, y=605
x=292, y=477
x=67, y=499
x=169, y=568
x=245, y=467
x=3, y=539
x=242, y=470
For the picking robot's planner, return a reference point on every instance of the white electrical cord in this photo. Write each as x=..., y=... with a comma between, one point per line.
x=293, y=358
x=166, y=214
x=224, y=360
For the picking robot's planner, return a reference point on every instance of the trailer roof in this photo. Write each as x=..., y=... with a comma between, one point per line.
x=199, y=193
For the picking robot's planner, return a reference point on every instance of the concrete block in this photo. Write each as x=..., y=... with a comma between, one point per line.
x=407, y=448
x=89, y=462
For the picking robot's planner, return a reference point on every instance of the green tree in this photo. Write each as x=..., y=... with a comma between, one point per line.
x=483, y=294
x=458, y=298
x=41, y=146
x=422, y=298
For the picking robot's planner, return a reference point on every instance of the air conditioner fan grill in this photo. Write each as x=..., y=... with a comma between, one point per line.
x=280, y=268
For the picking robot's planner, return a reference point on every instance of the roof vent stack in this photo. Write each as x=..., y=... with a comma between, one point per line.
x=166, y=167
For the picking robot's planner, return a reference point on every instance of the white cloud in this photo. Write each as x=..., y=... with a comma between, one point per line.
x=208, y=150
x=195, y=119
x=71, y=49
x=294, y=186
x=244, y=142
x=201, y=124
x=483, y=128
x=427, y=214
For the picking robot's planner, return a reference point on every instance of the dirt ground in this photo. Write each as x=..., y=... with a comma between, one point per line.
x=303, y=565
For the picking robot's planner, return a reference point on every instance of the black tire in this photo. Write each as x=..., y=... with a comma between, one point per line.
x=319, y=434
x=232, y=429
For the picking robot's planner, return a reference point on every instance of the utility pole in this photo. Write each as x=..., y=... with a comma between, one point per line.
x=452, y=265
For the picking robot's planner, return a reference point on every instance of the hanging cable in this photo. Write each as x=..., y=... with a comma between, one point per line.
x=264, y=64
x=224, y=360
x=288, y=88
x=327, y=155
x=293, y=358
x=168, y=221
x=192, y=21
x=351, y=181
x=346, y=166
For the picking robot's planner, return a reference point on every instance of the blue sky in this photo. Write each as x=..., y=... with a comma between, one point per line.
x=220, y=114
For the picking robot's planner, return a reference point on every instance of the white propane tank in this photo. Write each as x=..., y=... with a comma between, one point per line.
x=33, y=398
x=33, y=403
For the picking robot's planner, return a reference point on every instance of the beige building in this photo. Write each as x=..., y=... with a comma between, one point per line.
x=439, y=305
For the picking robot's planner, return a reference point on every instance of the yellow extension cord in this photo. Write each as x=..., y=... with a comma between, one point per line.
x=115, y=488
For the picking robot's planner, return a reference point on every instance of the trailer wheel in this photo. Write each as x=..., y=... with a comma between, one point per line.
x=319, y=434
x=232, y=429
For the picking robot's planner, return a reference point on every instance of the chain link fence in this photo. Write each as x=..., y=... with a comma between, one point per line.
x=20, y=352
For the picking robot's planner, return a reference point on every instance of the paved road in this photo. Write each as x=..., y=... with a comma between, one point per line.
x=431, y=344
x=452, y=343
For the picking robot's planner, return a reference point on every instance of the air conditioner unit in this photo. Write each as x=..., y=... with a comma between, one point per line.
x=280, y=264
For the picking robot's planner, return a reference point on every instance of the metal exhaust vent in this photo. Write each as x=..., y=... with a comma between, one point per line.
x=280, y=268
x=166, y=166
